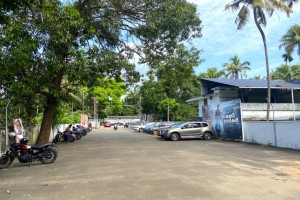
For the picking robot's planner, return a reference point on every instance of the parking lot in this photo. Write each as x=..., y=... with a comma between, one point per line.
x=128, y=165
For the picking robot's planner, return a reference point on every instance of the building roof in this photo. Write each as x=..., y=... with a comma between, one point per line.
x=252, y=83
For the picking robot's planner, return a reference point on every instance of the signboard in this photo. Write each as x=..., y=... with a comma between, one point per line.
x=225, y=117
x=84, y=120
x=18, y=129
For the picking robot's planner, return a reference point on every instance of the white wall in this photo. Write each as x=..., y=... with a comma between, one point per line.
x=283, y=134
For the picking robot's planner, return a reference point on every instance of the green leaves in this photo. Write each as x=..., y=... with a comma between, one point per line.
x=291, y=40
x=236, y=69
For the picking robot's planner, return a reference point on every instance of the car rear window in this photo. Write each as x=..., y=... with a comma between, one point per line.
x=204, y=124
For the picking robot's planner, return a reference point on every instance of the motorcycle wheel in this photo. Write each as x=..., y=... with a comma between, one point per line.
x=55, y=140
x=72, y=139
x=83, y=133
x=78, y=137
x=49, y=155
x=6, y=161
x=60, y=138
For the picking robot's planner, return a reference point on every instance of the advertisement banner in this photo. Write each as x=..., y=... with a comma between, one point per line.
x=84, y=120
x=18, y=129
x=225, y=117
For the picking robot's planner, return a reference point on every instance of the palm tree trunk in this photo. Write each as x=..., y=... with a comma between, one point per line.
x=267, y=64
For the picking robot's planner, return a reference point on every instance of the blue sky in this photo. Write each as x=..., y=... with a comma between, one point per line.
x=221, y=40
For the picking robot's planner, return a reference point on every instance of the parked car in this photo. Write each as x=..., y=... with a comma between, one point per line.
x=161, y=130
x=186, y=130
x=140, y=128
x=155, y=129
x=149, y=127
x=107, y=124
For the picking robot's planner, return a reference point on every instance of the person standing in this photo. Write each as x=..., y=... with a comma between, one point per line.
x=218, y=120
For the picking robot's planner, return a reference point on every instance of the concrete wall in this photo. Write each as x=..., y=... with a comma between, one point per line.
x=285, y=134
x=282, y=111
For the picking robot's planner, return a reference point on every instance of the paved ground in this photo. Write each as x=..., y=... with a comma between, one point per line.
x=127, y=165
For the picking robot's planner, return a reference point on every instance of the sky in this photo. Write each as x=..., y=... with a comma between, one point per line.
x=221, y=40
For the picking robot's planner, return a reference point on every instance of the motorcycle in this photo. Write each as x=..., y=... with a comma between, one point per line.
x=115, y=127
x=26, y=153
x=60, y=137
x=83, y=131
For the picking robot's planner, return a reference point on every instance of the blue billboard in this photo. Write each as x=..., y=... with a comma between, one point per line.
x=225, y=117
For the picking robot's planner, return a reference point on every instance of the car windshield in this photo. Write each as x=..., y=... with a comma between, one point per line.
x=177, y=125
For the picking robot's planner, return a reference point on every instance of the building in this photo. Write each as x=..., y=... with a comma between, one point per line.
x=285, y=97
x=227, y=103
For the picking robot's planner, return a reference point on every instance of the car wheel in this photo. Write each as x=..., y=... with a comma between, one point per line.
x=154, y=132
x=174, y=136
x=207, y=136
x=141, y=130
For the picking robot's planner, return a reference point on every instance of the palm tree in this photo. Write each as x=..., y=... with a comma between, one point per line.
x=291, y=40
x=283, y=72
x=287, y=58
x=287, y=73
x=259, y=8
x=236, y=68
x=212, y=73
x=258, y=77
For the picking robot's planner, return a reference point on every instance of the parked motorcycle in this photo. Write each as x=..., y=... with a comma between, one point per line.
x=83, y=131
x=60, y=137
x=26, y=153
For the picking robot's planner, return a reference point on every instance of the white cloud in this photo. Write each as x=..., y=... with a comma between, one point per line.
x=221, y=40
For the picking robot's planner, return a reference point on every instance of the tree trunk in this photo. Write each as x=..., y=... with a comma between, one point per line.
x=47, y=120
x=267, y=64
x=49, y=111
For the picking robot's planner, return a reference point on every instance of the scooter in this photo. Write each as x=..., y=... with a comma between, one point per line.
x=115, y=127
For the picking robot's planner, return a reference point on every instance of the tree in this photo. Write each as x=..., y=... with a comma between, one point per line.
x=291, y=40
x=132, y=102
x=260, y=9
x=107, y=95
x=236, y=68
x=287, y=58
x=167, y=108
x=287, y=73
x=212, y=73
x=11, y=5
x=84, y=41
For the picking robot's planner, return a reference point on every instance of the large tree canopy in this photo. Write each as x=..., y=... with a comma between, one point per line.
x=84, y=41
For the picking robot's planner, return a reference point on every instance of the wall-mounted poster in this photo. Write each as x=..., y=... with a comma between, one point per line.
x=84, y=120
x=225, y=117
x=18, y=129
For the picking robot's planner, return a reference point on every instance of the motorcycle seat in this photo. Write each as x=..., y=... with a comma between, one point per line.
x=41, y=146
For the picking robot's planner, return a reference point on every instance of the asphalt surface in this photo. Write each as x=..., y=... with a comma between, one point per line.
x=128, y=165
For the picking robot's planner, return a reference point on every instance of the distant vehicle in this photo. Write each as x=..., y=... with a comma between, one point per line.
x=187, y=130
x=107, y=124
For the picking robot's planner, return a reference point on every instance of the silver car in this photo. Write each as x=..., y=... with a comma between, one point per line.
x=186, y=130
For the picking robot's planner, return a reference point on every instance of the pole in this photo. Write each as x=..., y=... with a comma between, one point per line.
x=94, y=107
x=275, y=134
x=293, y=104
x=6, y=126
x=168, y=111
